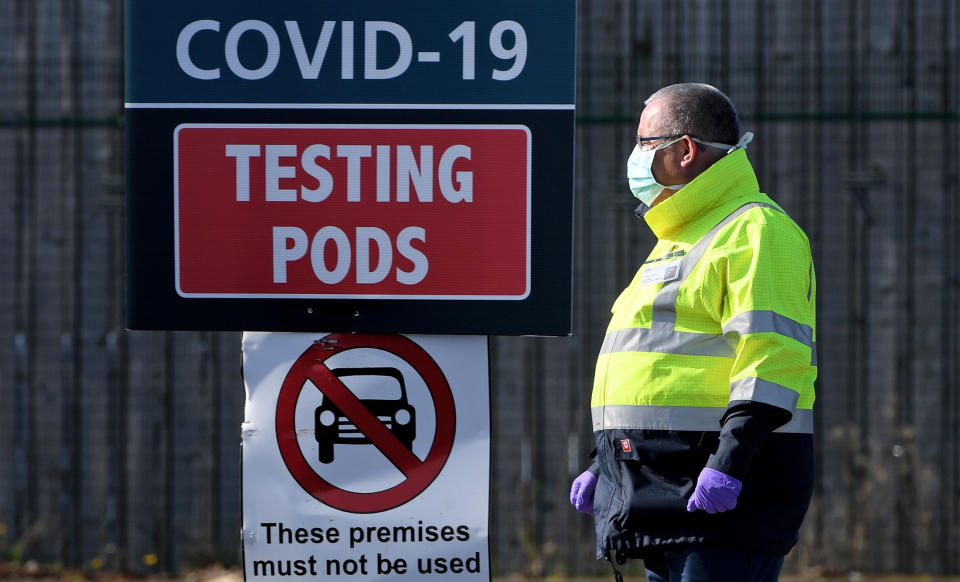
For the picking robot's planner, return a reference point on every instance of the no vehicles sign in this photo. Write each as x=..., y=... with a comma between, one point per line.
x=365, y=456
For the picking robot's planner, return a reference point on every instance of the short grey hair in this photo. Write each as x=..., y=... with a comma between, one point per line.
x=698, y=110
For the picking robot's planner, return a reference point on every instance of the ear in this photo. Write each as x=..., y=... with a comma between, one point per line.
x=690, y=152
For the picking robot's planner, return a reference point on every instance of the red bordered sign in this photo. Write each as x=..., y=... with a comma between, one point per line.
x=352, y=211
x=418, y=473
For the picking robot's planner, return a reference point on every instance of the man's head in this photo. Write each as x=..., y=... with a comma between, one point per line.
x=686, y=113
x=699, y=110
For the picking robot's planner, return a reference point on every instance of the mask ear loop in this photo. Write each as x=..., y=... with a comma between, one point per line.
x=744, y=140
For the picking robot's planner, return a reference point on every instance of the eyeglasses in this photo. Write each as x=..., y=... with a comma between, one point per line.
x=644, y=142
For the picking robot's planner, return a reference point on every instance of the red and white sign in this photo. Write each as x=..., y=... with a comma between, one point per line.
x=365, y=456
x=352, y=211
x=418, y=474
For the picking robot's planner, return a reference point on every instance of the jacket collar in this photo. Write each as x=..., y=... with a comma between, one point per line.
x=731, y=176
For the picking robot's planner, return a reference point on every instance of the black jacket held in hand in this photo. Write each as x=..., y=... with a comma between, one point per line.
x=646, y=478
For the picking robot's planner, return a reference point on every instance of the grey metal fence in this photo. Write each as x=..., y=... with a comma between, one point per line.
x=120, y=449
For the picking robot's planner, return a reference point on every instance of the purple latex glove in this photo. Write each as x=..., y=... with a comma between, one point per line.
x=581, y=492
x=715, y=492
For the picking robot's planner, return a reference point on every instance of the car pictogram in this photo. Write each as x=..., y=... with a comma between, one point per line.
x=383, y=392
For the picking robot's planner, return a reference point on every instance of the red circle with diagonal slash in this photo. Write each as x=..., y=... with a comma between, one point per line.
x=419, y=474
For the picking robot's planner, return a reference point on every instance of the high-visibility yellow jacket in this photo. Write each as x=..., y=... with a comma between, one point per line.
x=723, y=309
x=722, y=313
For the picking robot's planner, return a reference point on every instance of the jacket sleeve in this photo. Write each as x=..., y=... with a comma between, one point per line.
x=768, y=314
x=744, y=427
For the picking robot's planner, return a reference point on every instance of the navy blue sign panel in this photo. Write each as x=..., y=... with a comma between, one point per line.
x=374, y=166
x=341, y=52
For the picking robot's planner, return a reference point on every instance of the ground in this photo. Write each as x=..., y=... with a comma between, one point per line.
x=34, y=573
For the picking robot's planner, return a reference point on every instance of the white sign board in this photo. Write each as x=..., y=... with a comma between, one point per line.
x=365, y=456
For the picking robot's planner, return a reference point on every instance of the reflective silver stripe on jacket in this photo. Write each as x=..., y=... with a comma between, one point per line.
x=641, y=339
x=760, y=390
x=762, y=321
x=688, y=343
x=680, y=418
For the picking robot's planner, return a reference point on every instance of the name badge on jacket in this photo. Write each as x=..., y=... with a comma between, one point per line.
x=660, y=272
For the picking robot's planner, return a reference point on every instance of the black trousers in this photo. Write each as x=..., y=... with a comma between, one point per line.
x=696, y=563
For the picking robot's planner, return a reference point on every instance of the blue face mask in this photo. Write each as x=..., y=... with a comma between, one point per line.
x=640, y=174
x=640, y=168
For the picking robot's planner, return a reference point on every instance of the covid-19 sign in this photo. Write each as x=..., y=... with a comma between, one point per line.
x=369, y=167
x=375, y=34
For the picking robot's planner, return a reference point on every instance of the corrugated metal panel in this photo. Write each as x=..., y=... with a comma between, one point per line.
x=118, y=445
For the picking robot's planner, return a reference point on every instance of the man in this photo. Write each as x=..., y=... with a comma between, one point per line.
x=702, y=402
